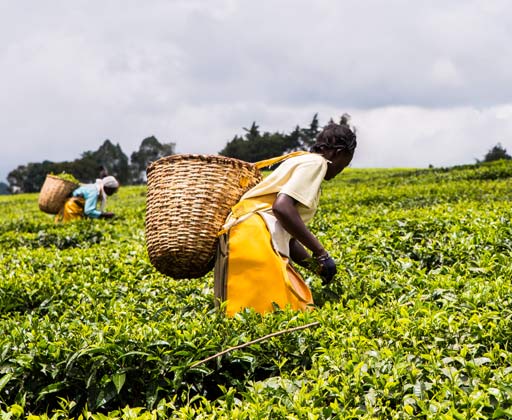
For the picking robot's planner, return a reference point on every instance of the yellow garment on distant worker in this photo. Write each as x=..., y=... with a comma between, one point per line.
x=252, y=267
x=73, y=209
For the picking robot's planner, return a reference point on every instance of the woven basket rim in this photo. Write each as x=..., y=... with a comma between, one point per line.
x=190, y=156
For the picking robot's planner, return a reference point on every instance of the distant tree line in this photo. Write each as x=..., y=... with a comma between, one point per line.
x=255, y=145
x=252, y=146
x=109, y=158
x=498, y=152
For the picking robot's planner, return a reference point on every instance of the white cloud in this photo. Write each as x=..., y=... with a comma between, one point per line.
x=445, y=73
x=426, y=82
x=417, y=137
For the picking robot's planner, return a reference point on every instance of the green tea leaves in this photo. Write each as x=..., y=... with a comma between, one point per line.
x=417, y=323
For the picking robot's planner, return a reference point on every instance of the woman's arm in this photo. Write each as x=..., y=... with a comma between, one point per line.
x=299, y=254
x=286, y=212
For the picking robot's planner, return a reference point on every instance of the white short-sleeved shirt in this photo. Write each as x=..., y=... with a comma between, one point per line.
x=299, y=177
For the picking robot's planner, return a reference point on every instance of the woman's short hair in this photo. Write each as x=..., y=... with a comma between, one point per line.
x=336, y=136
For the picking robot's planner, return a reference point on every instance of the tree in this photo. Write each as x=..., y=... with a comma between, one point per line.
x=254, y=145
x=150, y=150
x=303, y=138
x=86, y=168
x=309, y=134
x=113, y=160
x=253, y=133
x=16, y=178
x=294, y=140
x=30, y=177
x=496, y=153
x=4, y=188
x=108, y=158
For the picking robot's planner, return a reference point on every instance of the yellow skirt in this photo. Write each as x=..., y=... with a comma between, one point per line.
x=73, y=210
x=249, y=273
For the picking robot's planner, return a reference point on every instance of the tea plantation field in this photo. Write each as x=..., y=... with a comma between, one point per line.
x=418, y=322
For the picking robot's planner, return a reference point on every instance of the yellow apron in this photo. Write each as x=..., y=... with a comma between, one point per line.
x=73, y=209
x=249, y=272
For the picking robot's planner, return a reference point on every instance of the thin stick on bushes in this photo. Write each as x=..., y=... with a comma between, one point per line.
x=258, y=340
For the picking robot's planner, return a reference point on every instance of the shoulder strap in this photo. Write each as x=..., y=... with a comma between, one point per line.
x=273, y=161
x=252, y=205
x=244, y=208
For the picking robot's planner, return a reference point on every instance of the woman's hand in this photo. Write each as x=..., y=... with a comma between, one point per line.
x=322, y=264
x=327, y=267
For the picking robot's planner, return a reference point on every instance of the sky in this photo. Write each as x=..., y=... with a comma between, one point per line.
x=427, y=82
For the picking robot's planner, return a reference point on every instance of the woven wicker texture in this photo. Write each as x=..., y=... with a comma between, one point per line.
x=188, y=200
x=54, y=193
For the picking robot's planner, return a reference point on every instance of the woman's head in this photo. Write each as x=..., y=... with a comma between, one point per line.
x=110, y=185
x=336, y=137
x=337, y=143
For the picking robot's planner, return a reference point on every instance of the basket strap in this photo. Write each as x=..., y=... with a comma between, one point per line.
x=274, y=160
x=249, y=206
x=244, y=208
x=252, y=205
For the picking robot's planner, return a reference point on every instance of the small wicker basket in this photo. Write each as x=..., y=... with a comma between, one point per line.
x=188, y=199
x=54, y=193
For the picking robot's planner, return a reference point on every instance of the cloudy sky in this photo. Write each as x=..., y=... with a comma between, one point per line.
x=426, y=82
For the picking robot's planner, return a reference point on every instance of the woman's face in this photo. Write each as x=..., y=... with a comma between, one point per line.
x=338, y=161
x=109, y=191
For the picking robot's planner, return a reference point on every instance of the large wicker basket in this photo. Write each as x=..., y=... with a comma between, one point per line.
x=54, y=193
x=188, y=199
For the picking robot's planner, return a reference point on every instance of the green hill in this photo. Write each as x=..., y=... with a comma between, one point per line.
x=417, y=324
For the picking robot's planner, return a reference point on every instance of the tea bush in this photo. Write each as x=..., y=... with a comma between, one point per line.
x=416, y=324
